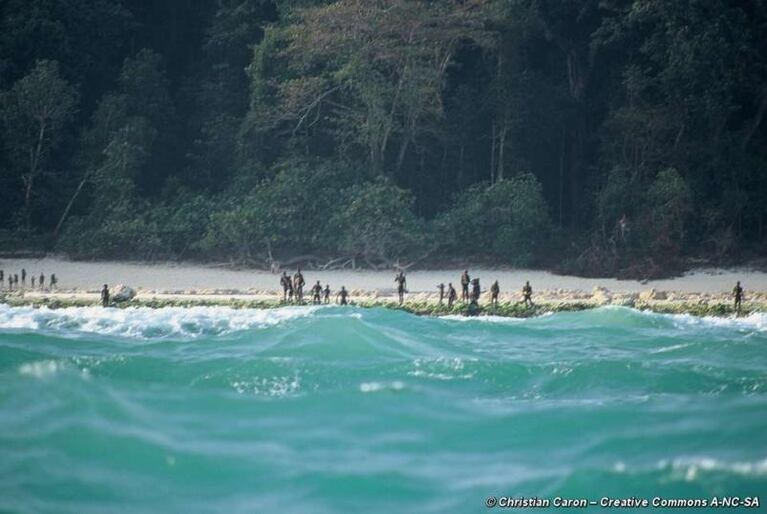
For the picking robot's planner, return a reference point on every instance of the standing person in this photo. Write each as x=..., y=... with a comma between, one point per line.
x=737, y=293
x=451, y=295
x=401, y=284
x=23, y=277
x=343, y=294
x=527, y=294
x=42, y=281
x=33, y=281
x=2, y=277
x=298, y=285
x=441, y=288
x=494, y=290
x=475, y=291
x=326, y=294
x=16, y=280
x=10, y=282
x=290, y=290
x=105, y=296
x=465, y=281
x=623, y=227
x=285, y=283
x=54, y=281
x=316, y=293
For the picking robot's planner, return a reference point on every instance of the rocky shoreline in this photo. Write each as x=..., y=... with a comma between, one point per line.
x=423, y=303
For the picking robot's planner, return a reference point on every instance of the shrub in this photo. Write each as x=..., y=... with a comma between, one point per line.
x=376, y=222
x=509, y=220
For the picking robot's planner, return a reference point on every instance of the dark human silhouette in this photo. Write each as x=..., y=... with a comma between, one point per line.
x=54, y=281
x=317, y=293
x=441, y=288
x=623, y=227
x=34, y=278
x=465, y=281
x=42, y=281
x=298, y=285
x=494, y=290
x=326, y=294
x=286, y=285
x=401, y=285
x=475, y=290
x=23, y=277
x=527, y=294
x=737, y=293
x=343, y=294
x=451, y=295
x=105, y=296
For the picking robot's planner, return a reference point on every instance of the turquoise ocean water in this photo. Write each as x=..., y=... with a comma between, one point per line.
x=350, y=410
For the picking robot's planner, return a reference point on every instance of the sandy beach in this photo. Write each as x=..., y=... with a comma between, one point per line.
x=172, y=280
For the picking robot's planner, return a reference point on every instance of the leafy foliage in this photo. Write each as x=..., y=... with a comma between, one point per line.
x=257, y=130
x=509, y=220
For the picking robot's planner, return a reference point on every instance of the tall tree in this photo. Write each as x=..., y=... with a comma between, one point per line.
x=35, y=112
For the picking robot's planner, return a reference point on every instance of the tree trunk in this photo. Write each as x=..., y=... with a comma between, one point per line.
x=756, y=121
x=402, y=152
x=69, y=207
x=492, y=155
x=34, y=165
x=501, y=146
x=562, y=160
x=574, y=172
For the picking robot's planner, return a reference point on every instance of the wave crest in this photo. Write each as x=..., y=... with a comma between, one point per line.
x=145, y=322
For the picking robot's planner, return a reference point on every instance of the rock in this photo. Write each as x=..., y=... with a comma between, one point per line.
x=628, y=300
x=652, y=294
x=123, y=293
x=601, y=295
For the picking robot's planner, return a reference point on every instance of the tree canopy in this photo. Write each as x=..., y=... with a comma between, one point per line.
x=620, y=137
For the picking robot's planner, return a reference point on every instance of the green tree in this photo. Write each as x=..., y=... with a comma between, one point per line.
x=35, y=112
x=508, y=221
x=124, y=145
x=375, y=223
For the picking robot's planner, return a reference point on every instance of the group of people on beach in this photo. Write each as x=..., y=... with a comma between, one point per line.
x=471, y=291
x=293, y=291
x=37, y=281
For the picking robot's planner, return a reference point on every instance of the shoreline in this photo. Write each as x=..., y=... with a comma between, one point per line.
x=705, y=291
x=546, y=302
x=181, y=277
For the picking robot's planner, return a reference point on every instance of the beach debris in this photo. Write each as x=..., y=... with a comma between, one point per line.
x=123, y=293
x=652, y=294
x=627, y=300
x=601, y=295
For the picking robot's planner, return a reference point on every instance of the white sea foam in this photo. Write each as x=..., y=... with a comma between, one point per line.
x=276, y=387
x=147, y=323
x=689, y=468
x=485, y=319
x=374, y=387
x=671, y=348
x=40, y=369
x=755, y=320
x=441, y=368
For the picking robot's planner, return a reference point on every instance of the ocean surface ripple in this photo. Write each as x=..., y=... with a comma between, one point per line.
x=328, y=409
